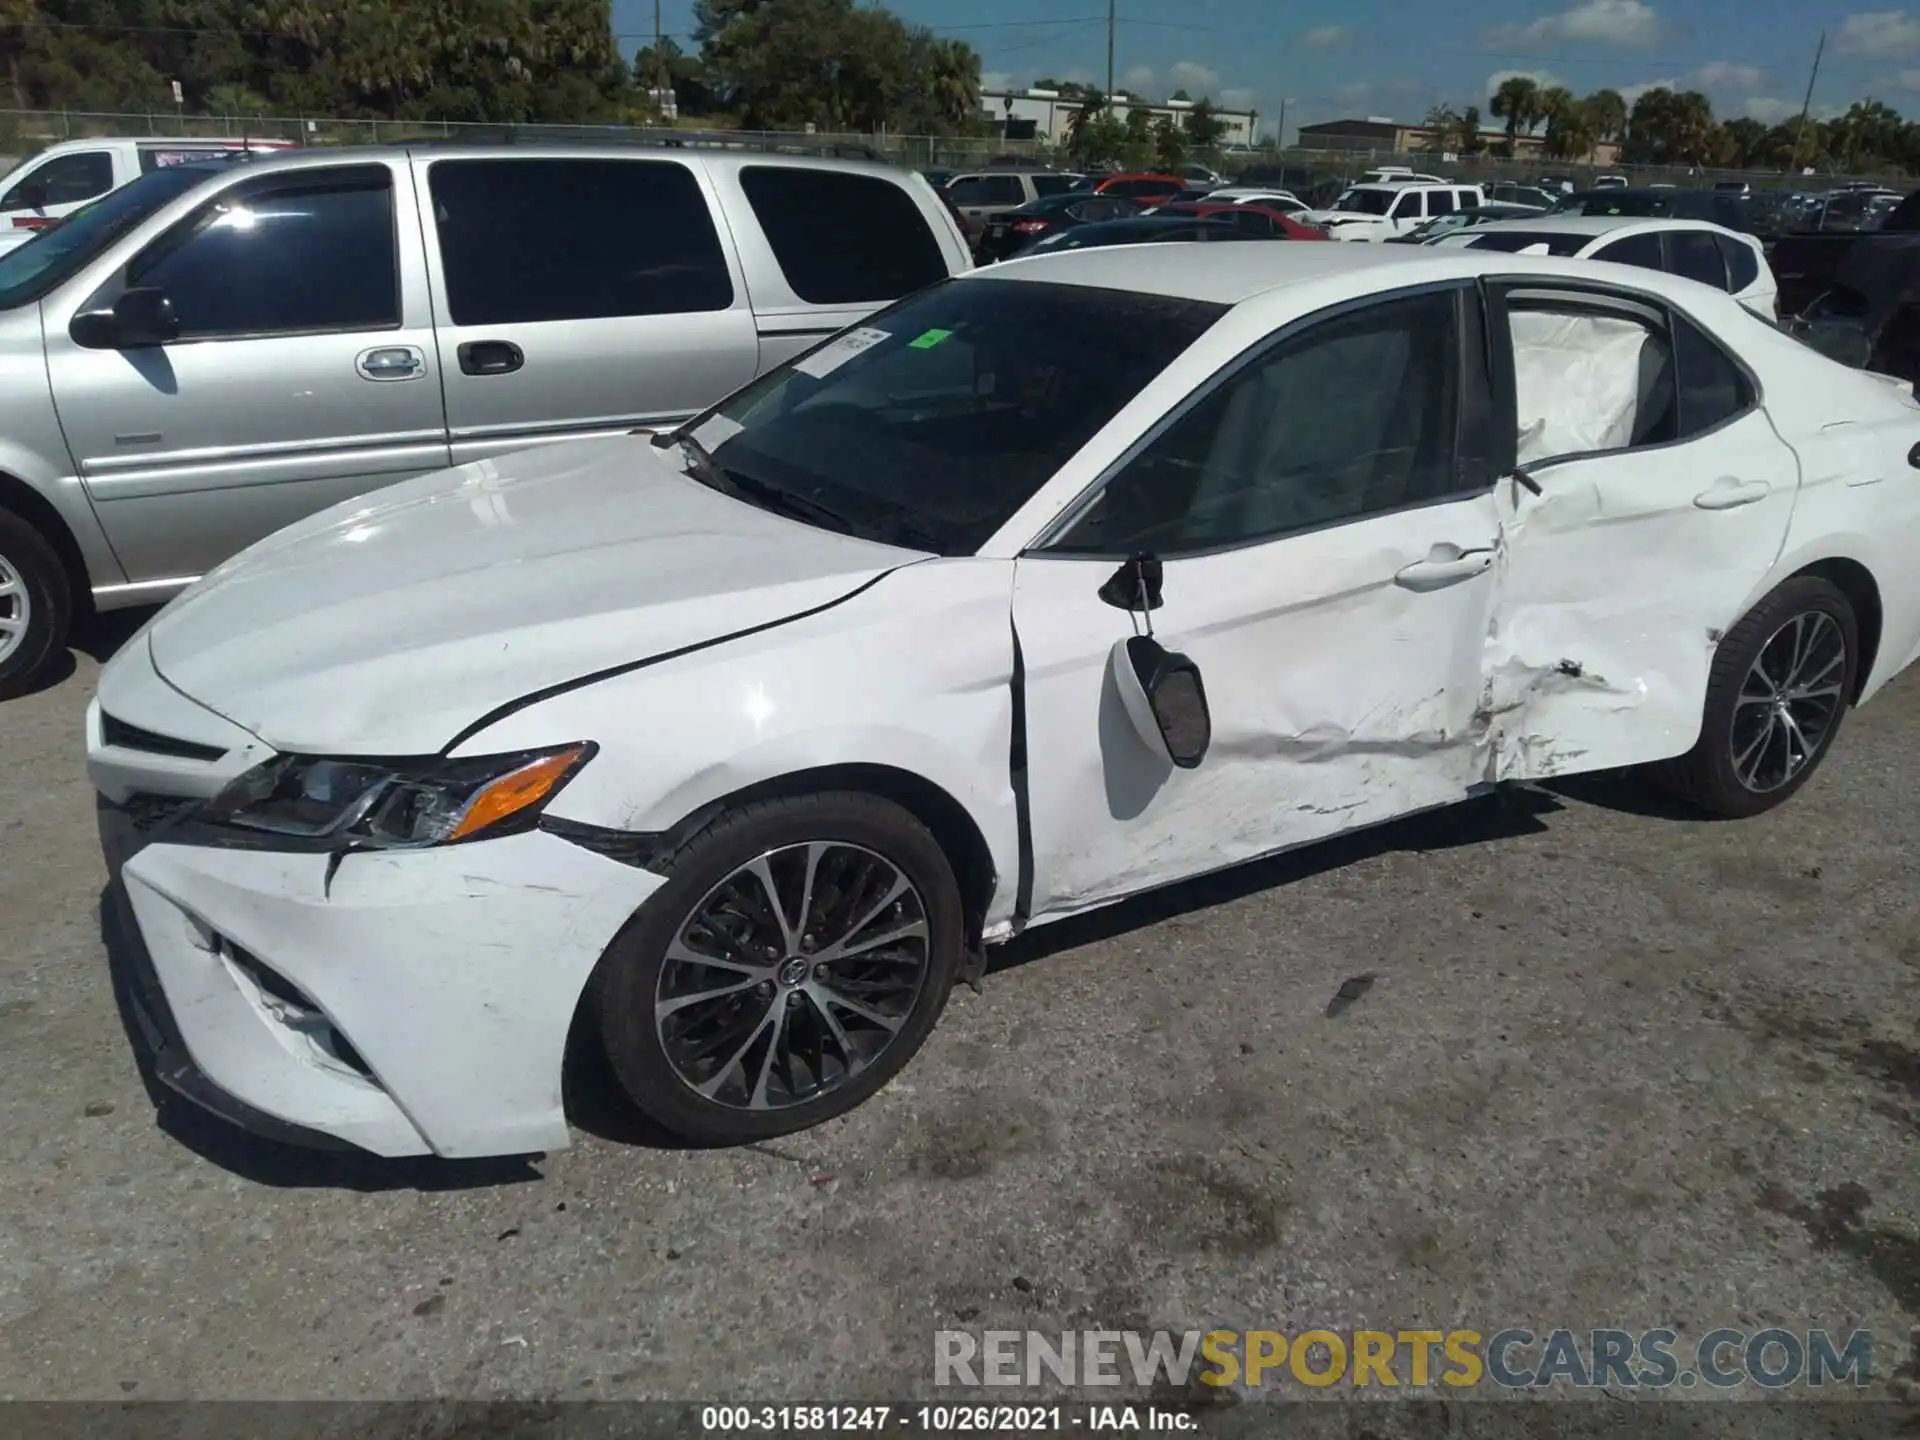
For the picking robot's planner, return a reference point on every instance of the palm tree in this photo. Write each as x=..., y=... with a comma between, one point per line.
x=1093, y=106
x=1517, y=101
x=1569, y=127
x=1607, y=113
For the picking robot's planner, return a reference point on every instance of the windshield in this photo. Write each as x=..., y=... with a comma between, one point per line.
x=932, y=423
x=1365, y=202
x=50, y=257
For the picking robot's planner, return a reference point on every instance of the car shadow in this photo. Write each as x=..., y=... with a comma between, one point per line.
x=273, y=1162
x=97, y=636
x=1630, y=793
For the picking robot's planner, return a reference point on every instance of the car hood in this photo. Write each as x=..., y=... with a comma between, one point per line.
x=388, y=624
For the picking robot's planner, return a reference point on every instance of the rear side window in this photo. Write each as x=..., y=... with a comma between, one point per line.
x=312, y=254
x=843, y=239
x=1712, y=387
x=532, y=240
x=1641, y=250
x=987, y=190
x=65, y=180
x=1439, y=202
x=1696, y=257
x=1514, y=241
x=1742, y=268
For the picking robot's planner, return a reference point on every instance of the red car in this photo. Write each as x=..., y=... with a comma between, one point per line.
x=1144, y=189
x=1254, y=218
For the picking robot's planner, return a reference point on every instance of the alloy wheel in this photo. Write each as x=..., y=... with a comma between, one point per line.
x=1789, y=701
x=16, y=609
x=792, y=975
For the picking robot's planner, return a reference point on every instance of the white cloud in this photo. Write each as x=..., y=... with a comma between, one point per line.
x=1193, y=77
x=1326, y=37
x=1878, y=32
x=996, y=80
x=1631, y=93
x=1353, y=93
x=1141, y=78
x=1772, y=112
x=1728, y=75
x=1629, y=24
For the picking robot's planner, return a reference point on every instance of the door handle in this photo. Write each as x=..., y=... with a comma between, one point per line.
x=1444, y=565
x=1728, y=493
x=490, y=357
x=391, y=362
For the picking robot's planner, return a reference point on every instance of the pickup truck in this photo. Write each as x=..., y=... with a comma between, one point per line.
x=46, y=187
x=1808, y=263
x=215, y=351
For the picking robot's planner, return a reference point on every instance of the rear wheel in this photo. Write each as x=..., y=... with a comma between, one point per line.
x=799, y=954
x=1780, y=685
x=36, y=604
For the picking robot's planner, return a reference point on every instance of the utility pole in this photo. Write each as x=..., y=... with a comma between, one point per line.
x=662, y=77
x=1110, y=26
x=1806, y=105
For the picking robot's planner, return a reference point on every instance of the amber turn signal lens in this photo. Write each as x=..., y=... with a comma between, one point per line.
x=515, y=791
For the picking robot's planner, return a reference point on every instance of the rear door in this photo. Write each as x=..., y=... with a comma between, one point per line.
x=578, y=295
x=304, y=372
x=1664, y=499
x=822, y=249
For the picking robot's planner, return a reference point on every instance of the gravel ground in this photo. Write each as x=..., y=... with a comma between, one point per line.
x=1616, y=1066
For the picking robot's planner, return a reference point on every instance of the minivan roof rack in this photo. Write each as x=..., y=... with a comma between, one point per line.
x=797, y=143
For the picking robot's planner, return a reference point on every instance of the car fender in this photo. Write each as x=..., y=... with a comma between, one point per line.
x=913, y=675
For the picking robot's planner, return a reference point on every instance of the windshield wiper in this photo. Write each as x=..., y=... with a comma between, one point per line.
x=711, y=473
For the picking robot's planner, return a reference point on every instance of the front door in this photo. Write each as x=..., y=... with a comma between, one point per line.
x=580, y=297
x=1664, y=499
x=304, y=372
x=1327, y=557
x=55, y=188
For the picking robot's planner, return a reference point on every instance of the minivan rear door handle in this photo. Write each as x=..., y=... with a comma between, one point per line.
x=490, y=357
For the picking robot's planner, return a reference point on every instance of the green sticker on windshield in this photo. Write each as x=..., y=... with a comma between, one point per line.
x=928, y=339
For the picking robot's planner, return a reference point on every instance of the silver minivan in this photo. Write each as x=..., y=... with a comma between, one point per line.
x=217, y=350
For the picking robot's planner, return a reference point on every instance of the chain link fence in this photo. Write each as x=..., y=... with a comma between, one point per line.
x=23, y=131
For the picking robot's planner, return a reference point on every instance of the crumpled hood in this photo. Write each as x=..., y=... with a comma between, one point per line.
x=386, y=625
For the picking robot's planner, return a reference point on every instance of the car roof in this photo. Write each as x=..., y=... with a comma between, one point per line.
x=715, y=156
x=1395, y=186
x=1597, y=225
x=1234, y=274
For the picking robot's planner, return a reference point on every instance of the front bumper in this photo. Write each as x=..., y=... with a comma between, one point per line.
x=411, y=1003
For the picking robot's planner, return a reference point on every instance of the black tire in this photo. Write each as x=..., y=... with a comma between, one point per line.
x=1706, y=776
x=26, y=557
x=626, y=986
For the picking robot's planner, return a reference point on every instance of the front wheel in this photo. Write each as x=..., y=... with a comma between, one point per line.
x=36, y=604
x=1780, y=685
x=796, y=959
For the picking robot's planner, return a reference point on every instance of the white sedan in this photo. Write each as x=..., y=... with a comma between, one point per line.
x=1725, y=259
x=729, y=749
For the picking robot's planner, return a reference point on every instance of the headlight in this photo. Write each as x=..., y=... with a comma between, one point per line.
x=384, y=804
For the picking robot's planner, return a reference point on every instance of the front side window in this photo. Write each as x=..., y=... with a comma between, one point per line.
x=1252, y=222
x=312, y=253
x=843, y=239
x=1365, y=202
x=1408, y=206
x=1053, y=184
x=64, y=180
x=1351, y=417
x=524, y=241
x=1440, y=202
x=1140, y=189
x=933, y=422
x=31, y=270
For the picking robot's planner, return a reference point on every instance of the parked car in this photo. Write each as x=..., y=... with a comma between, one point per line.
x=213, y=351
x=1808, y=264
x=1375, y=212
x=1487, y=214
x=1201, y=177
x=1610, y=182
x=1284, y=201
x=1138, y=230
x=984, y=195
x=643, y=743
x=1693, y=249
x=1397, y=175
x=1006, y=235
x=55, y=182
x=1534, y=197
x=1257, y=221
x=1147, y=189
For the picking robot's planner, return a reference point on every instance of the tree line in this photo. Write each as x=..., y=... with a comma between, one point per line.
x=835, y=64
x=1667, y=127
x=1097, y=133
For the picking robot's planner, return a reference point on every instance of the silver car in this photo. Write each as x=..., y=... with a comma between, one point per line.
x=216, y=350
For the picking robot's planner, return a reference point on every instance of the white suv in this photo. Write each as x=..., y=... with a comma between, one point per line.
x=1379, y=212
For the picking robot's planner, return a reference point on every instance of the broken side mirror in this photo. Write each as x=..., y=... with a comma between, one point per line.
x=1165, y=699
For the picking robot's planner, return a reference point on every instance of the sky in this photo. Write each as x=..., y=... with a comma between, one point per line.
x=1339, y=59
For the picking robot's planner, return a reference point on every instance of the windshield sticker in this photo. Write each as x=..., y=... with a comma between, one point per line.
x=837, y=352
x=927, y=339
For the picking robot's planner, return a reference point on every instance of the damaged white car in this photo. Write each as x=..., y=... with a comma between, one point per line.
x=730, y=749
